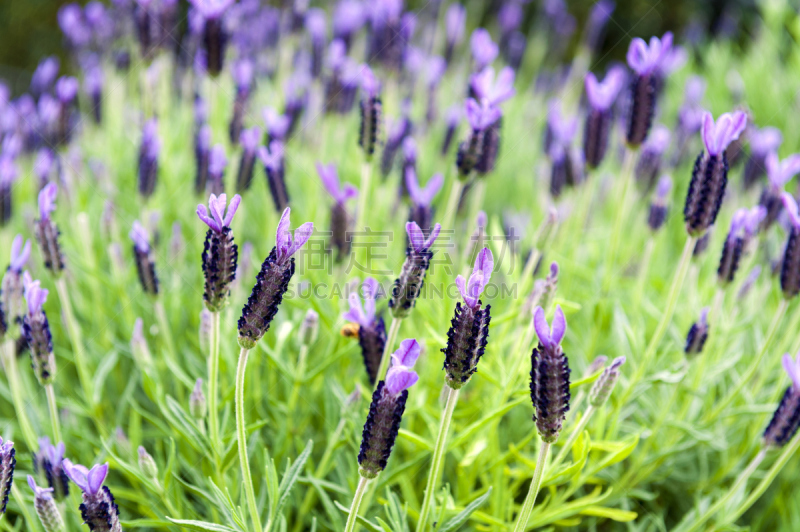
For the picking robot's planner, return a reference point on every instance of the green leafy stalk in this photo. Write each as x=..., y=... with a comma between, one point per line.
x=51, y=405
x=75, y=340
x=242, y=441
x=213, y=378
x=536, y=482
x=359, y=495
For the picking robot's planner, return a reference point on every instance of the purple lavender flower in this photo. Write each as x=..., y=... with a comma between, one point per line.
x=484, y=50
x=409, y=163
x=786, y=419
x=598, y=17
x=98, y=510
x=73, y=25
x=341, y=220
x=408, y=285
x=36, y=330
x=651, y=158
x=469, y=328
x=220, y=254
x=100, y=22
x=348, y=17
x=790, y=263
x=9, y=172
x=455, y=19
x=274, y=168
x=371, y=112
x=217, y=163
x=45, y=507
x=659, y=205
x=316, y=25
x=434, y=70
x=215, y=37
x=604, y=385
x=762, y=142
x=509, y=18
x=645, y=61
x=549, y=376
x=202, y=156
x=698, y=333
x=491, y=90
x=779, y=173
x=371, y=328
x=386, y=410
x=744, y=225
x=48, y=464
x=296, y=90
x=44, y=76
x=46, y=231
x=272, y=282
x=342, y=84
x=398, y=132
x=601, y=97
x=93, y=86
x=481, y=116
x=12, y=290
x=277, y=126
x=710, y=176
x=563, y=169
x=243, y=79
x=452, y=119
x=149, y=150
x=145, y=258
x=422, y=211
x=390, y=32
x=249, y=140
x=8, y=462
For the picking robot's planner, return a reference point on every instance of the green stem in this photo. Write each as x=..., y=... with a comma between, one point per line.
x=242, y=441
x=75, y=339
x=213, y=378
x=622, y=215
x=577, y=431
x=536, y=482
x=298, y=378
x=644, y=270
x=353, y=515
x=12, y=374
x=438, y=459
x=452, y=205
x=754, y=365
x=394, y=328
x=163, y=323
x=730, y=493
x=51, y=404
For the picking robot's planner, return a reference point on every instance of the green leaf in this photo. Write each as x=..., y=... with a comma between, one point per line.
x=201, y=525
x=461, y=517
x=103, y=369
x=369, y=525
x=290, y=477
x=619, y=452
x=621, y=516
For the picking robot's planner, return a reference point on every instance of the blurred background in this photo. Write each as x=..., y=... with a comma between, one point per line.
x=29, y=28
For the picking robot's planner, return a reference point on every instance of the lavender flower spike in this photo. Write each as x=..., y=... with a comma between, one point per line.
x=11, y=290
x=272, y=282
x=274, y=168
x=386, y=410
x=480, y=116
x=710, y=175
x=371, y=109
x=45, y=507
x=371, y=328
x=455, y=19
x=645, y=61
x=249, y=139
x=8, y=462
x=47, y=233
x=36, y=330
x=215, y=37
x=145, y=259
x=220, y=254
x=659, y=207
x=601, y=97
x=779, y=173
x=549, y=376
x=217, y=163
x=484, y=50
x=790, y=263
x=495, y=91
x=651, y=157
x=341, y=220
x=698, y=334
x=48, y=462
x=469, y=328
x=604, y=384
x=408, y=285
x=744, y=225
x=149, y=151
x=98, y=510
x=786, y=419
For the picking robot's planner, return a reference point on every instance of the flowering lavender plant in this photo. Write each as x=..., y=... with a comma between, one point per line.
x=408, y=285
x=220, y=254
x=341, y=220
x=99, y=510
x=371, y=328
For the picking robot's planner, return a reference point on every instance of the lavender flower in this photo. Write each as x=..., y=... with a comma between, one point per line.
x=645, y=61
x=47, y=232
x=371, y=328
x=66, y=89
x=243, y=79
x=408, y=285
x=390, y=32
x=215, y=37
x=348, y=17
x=560, y=133
x=690, y=116
x=220, y=254
x=277, y=126
x=197, y=401
x=710, y=176
x=409, y=162
x=421, y=211
x=487, y=89
x=386, y=410
x=98, y=510
x=149, y=151
x=44, y=76
x=11, y=293
x=651, y=158
x=400, y=130
x=202, y=156
x=45, y=507
x=274, y=168
x=744, y=225
x=601, y=97
x=271, y=282
x=371, y=111
x=469, y=328
x=484, y=50
x=48, y=464
x=36, y=330
x=145, y=259
x=605, y=383
x=659, y=207
x=549, y=376
x=779, y=173
x=790, y=263
x=452, y=119
x=9, y=172
x=480, y=116
x=455, y=18
x=93, y=86
x=147, y=465
x=341, y=220
x=598, y=17
x=762, y=142
x=341, y=85
x=786, y=419
x=296, y=90
x=73, y=25
x=217, y=163
x=698, y=333
x=7, y=463
x=249, y=140
x=316, y=26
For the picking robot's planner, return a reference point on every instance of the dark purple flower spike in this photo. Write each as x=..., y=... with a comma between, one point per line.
x=398, y=132
x=202, y=157
x=274, y=167
x=12, y=289
x=371, y=112
x=145, y=258
x=762, y=142
x=421, y=210
x=779, y=173
x=36, y=331
x=790, y=263
x=645, y=61
x=217, y=163
x=271, y=282
x=469, y=328
x=786, y=419
x=220, y=254
x=455, y=19
x=601, y=97
x=341, y=221
x=481, y=116
x=698, y=334
x=8, y=462
x=744, y=225
x=484, y=50
x=408, y=285
x=342, y=84
x=316, y=25
x=659, y=206
x=651, y=158
x=243, y=79
x=549, y=376
x=47, y=233
x=98, y=510
x=371, y=328
x=93, y=86
x=149, y=151
x=386, y=410
x=710, y=175
x=214, y=34
x=249, y=140
x=564, y=169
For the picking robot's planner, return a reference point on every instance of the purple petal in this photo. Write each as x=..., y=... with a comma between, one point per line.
x=541, y=327
x=432, y=238
x=791, y=208
x=47, y=199
x=792, y=368
x=461, y=283
x=407, y=354
x=232, y=208
x=484, y=263
x=400, y=378
x=283, y=239
x=77, y=474
x=202, y=213
x=96, y=477
x=415, y=236
x=559, y=326
x=301, y=236
x=19, y=257
x=356, y=313
x=475, y=285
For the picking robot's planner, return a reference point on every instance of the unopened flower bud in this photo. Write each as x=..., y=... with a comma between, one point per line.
x=604, y=384
x=147, y=464
x=197, y=401
x=309, y=328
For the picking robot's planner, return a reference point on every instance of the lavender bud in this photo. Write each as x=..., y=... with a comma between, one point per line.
x=48, y=464
x=597, y=364
x=205, y=330
x=243, y=78
x=249, y=140
x=45, y=507
x=743, y=226
x=790, y=264
x=698, y=333
x=341, y=221
x=93, y=85
x=274, y=168
x=202, y=155
x=455, y=20
x=145, y=259
x=601, y=98
x=604, y=384
x=469, y=328
x=786, y=419
x=271, y=282
x=490, y=148
x=371, y=329
x=36, y=330
x=645, y=61
x=147, y=465
x=407, y=287
x=12, y=289
x=139, y=347
x=648, y=165
x=7, y=463
x=371, y=109
x=197, y=401
x=309, y=328
x=98, y=510
x=549, y=376
x=149, y=151
x=480, y=117
x=47, y=232
x=386, y=410
x=659, y=205
x=219, y=252
x=710, y=176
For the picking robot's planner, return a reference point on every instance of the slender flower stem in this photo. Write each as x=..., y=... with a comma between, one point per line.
x=577, y=431
x=242, y=441
x=363, y=193
x=360, y=490
x=12, y=374
x=298, y=378
x=438, y=458
x=51, y=405
x=644, y=270
x=742, y=479
x=622, y=215
x=163, y=323
x=394, y=328
x=754, y=365
x=452, y=205
x=530, y=265
x=213, y=378
x=536, y=482
x=75, y=340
